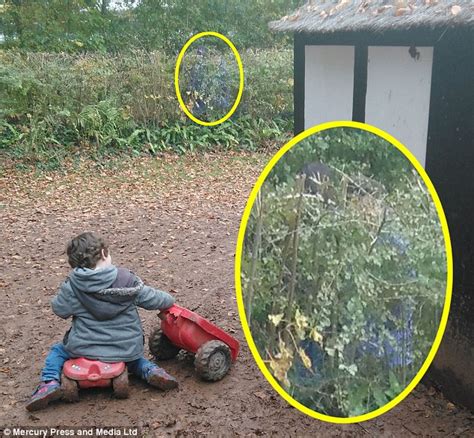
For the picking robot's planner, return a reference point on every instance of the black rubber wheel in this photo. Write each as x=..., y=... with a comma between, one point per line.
x=212, y=360
x=69, y=389
x=120, y=385
x=161, y=347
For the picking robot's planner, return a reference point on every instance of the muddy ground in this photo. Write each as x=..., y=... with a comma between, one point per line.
x=174, y=222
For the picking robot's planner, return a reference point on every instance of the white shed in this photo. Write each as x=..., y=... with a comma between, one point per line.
x=405, y=66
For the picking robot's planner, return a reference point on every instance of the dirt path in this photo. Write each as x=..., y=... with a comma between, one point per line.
x=174, y=222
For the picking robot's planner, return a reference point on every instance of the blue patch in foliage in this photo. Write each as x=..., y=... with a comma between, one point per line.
x=199, y=84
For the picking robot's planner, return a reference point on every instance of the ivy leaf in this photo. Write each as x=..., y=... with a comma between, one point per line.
x=275, y=319
x=394, y=383
x=379, y=396
x=301, y=322
x=351, y=369
x=330, y=351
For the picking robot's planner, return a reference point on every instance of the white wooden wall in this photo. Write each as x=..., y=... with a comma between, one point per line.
x=398, y=90
x=329, y=84
x=398, y=95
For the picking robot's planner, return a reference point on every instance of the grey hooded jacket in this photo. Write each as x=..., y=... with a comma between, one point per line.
x=103, y=305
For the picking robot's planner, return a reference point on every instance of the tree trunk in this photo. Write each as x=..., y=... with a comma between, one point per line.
x=104, y=6
x=294, y=232
x=255, y=253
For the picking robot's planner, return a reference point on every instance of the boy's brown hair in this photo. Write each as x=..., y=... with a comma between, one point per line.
x=85, y=250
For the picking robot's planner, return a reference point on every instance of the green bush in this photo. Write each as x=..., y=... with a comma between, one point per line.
x=344, y=294
x=106, y=103
x=77, y=26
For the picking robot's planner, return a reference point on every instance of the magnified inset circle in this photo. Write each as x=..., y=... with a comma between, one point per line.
x=177, y=72
x=343, y=272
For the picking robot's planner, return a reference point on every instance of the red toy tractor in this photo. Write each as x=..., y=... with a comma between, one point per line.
x=181, y=328
x=85, y=373
x=214, y=349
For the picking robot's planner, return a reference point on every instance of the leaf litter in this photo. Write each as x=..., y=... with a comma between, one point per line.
x=174, y=221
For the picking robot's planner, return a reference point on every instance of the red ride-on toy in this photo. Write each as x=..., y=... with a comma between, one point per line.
x=86, y=373
x=214, y=349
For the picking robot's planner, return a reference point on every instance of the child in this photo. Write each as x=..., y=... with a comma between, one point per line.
x=102, y=301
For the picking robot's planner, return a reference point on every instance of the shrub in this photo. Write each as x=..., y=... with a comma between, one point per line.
x=344, y=295
x=98, y=102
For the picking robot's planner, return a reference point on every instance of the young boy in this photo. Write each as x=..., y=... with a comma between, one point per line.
x=102, y=300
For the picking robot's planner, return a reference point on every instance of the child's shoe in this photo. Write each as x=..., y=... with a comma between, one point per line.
x=159, y=378
x=44, y=393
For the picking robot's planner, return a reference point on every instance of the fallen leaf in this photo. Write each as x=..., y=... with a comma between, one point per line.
x=316, y=336
x=305, y=359
x=261, y=395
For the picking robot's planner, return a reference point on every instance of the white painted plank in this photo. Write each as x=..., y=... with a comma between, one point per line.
x=398, y=94
x=329, y=84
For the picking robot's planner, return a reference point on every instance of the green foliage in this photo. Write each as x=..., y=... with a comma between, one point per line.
x=351, y=151
x=168, y=24
x=345, y=294
x=93, y=25
x=55, y=25
x=108, y=104
x=101, y=122
x=212, y=80
x=100, y=130
x=268, y=90
x=139, y=82
x=64, y=88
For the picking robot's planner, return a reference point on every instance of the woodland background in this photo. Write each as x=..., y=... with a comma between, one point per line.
x=95, y=78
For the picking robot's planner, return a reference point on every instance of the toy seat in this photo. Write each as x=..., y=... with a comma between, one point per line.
x=92, y=373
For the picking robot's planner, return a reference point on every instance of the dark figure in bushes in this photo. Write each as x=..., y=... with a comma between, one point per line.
x=209, y=83
x=398, y=350
x=394, y=350
x=196, y=82
x=321, y=179
x=316, y=174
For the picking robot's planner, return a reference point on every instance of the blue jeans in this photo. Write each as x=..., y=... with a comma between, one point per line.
x=58, y=355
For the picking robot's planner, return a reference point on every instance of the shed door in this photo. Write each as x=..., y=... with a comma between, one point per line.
x=329, y=84
x=398, y=94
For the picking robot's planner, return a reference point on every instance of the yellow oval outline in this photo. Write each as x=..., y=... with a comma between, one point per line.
x=449, y=266
x=241, y=78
